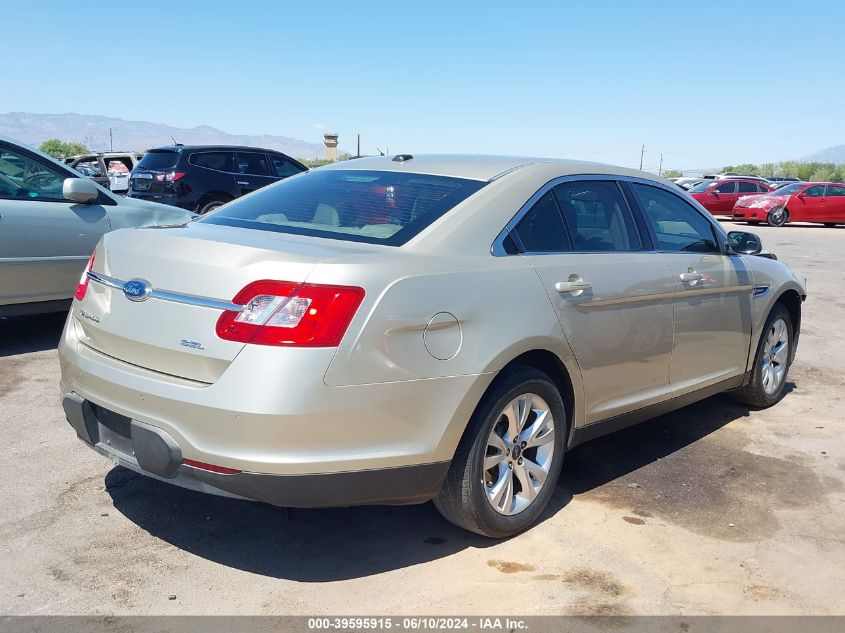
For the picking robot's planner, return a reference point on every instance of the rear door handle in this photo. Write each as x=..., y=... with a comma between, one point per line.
x=691, y=276
x=575, y=285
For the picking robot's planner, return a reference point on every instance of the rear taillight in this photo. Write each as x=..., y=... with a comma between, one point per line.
x=82, y=288
x=171, y=176
x=291, y=314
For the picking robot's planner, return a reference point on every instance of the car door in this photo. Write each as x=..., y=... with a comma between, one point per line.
x=612, y=293
x=835, y=211
x=808, y=205
x=745, y=188
x=712, y=305
x=725, y=197
x=253, y=171
x=45, y=239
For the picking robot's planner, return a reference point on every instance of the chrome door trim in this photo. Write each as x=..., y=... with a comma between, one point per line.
x=165, y=295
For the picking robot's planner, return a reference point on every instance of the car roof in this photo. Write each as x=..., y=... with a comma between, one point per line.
x=221, y=148
x=479, y=167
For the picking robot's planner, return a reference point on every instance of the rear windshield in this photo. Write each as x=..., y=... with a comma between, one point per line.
x=378, y=207
x=158, y=160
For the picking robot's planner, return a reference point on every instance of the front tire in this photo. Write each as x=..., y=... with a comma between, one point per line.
x=777, y=216
x=508, y=462
x=771, y=362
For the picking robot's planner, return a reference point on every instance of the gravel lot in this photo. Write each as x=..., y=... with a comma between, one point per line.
x=712, y=509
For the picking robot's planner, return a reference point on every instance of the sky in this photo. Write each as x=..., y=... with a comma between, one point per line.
x=705, y=83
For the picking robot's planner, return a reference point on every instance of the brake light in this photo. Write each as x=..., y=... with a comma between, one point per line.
x=82, y=288
x=171, y=176
x=290, y=314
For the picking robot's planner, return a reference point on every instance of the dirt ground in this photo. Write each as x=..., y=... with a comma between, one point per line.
x=714, y=509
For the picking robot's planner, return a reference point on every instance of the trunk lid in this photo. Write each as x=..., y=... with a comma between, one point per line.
x=203, y=263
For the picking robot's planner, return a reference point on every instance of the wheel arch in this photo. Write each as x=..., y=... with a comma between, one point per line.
x=792, y=300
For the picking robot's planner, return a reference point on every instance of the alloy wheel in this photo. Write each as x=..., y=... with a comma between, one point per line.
x=520, y=450
x=775, y=356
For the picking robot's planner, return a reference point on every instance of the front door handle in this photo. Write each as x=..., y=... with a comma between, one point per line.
x=574, y=285
x=691, y=276
x=241, y=182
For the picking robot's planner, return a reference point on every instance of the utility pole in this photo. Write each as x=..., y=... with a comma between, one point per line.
x=359, y=146
x=660, y=169
x=642, y=152
x=111, y=141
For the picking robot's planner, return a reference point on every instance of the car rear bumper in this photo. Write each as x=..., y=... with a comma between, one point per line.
x=271, y=417
x=153, y=452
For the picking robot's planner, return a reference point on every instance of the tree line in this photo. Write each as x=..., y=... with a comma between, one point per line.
x=809, y=172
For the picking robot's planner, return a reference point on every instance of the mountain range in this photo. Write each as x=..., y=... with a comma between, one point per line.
x=835, y=154
x=93, y=131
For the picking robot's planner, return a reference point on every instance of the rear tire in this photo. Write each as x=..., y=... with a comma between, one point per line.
x=497, y=487
x=771, y=362
x=210, y=206
x=778, y=216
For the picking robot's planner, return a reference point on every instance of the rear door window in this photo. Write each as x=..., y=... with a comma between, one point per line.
x=252, y=163
x=748, y=187
x=836, y=190
x=597, y=216
x=541, y=229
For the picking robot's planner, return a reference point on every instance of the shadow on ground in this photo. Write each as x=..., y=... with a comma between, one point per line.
x=23, y=335
x=342, y=543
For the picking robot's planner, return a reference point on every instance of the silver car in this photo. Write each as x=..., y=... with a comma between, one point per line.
x=394, y=330
x=50, y=221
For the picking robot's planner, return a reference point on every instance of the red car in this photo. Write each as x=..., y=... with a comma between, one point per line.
x=822, y=202
x=719, y=196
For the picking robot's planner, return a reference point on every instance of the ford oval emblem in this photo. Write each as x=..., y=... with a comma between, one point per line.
x=137, y=289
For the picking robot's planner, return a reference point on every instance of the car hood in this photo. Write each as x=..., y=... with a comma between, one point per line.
x=131, y=212
x=761, y=200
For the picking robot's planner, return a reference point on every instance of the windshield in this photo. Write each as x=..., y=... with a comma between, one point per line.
x=157, y=160
x=378, y=207
x=787, y=190
x=702, y=186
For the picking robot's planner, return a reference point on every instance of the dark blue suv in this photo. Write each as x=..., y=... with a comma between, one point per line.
x=200, y=178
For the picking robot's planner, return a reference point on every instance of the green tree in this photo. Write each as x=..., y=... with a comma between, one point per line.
x=62, y=149
x=672, y=173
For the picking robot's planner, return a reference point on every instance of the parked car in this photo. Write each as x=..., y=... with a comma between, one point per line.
x=107, y=169
x=732, y=175
x=782, y=179
x=779, y=184
x=822, y=202
x=203, y=177
x=719, y=196
x=394, y=330
x=50, y=221
x=688, y=183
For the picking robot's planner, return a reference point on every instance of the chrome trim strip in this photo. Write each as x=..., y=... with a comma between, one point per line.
x=46, y=259
x=165, y=295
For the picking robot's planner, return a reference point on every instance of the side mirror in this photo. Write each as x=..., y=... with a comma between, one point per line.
x=745, y=243
x=79, y=190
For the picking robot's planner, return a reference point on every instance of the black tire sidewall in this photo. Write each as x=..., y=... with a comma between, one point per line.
x=770, y=222
x=526, y=381
x=779, y=312
x=210, y=206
